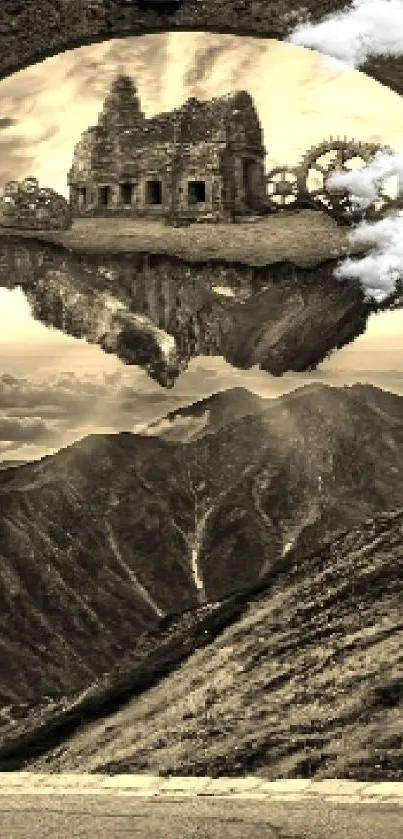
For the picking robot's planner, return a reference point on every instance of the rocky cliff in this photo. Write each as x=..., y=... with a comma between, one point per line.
x=160, y=309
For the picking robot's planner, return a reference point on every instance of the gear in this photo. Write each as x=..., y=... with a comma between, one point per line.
x=346, y=155
x=282, y=187
x=27, y=205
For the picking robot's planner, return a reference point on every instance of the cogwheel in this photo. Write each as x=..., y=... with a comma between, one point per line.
x=319, y=162
x=282, y=187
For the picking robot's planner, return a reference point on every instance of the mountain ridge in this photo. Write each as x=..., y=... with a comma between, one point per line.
x=103, y=539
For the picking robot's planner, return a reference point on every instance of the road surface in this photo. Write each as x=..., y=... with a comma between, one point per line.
x=121, y=816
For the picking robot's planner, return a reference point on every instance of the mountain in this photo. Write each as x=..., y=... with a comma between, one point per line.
x=207, y=415
x=307, y=681
x=103, y=540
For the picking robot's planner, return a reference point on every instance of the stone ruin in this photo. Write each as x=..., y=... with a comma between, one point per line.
x=201, y=162
x=27, y=205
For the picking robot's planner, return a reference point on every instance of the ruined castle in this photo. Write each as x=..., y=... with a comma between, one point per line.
x=203, y=161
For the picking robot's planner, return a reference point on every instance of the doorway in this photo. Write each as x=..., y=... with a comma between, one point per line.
x=104, y=195
x=154, y=192
x=196, y=192
x=126, y=193
x=82, y=197
x=248, y=171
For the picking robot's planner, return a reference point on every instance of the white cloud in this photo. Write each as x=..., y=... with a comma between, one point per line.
x=365, y=184
x=366, y=28
x=383, y=265
x=334, y=65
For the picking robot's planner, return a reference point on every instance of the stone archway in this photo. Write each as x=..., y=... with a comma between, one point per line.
x=31, y=32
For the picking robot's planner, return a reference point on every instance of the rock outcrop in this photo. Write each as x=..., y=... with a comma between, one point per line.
x=160, y=309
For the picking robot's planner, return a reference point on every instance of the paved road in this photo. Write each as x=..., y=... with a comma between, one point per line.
x=124, y=816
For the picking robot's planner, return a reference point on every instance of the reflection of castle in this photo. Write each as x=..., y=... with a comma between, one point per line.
x=203, y=160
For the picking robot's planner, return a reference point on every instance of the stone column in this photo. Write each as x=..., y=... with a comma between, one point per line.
x=114, y=203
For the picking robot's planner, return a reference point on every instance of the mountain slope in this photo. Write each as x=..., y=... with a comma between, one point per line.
x=85, y=565
x=102, y=540
x=308, y=681
x=207, y=415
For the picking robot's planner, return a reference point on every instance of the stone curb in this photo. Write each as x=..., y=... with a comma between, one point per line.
x=292, y=789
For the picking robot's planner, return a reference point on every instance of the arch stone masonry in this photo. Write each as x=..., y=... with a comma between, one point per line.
x=32, y=31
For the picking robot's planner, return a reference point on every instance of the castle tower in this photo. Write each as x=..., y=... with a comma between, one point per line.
x=121, y=109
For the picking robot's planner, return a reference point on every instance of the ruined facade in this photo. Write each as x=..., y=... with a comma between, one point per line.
x=203, y=161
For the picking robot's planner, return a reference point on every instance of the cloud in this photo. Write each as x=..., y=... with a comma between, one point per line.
x=74, y=400
x=221, y=58
x=366, y=28
x=6, y=122
x=38, y=417
x=204, y=58
x=379, y=270
x=365, y=184
x=25, y=429
x=40, y=139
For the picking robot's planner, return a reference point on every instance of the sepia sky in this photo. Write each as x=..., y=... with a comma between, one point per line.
x=44, y=110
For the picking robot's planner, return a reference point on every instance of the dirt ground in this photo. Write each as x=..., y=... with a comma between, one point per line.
x=305, y=238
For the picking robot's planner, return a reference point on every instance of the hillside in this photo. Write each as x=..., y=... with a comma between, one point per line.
x=102, y=540
x=307, y=682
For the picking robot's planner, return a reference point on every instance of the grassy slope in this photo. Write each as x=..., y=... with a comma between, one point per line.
x=29, y=729
x=305, y=238
x=307, y=682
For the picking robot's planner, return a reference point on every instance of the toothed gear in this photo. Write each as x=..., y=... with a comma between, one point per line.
x=319, y=162
x=282, y=187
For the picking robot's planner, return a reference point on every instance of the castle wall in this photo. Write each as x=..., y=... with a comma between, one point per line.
x=135, y=171
x=194, y=167
x=200, y=170
x=204, y=161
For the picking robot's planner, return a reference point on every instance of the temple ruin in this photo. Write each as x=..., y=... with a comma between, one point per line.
x=202, y=161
